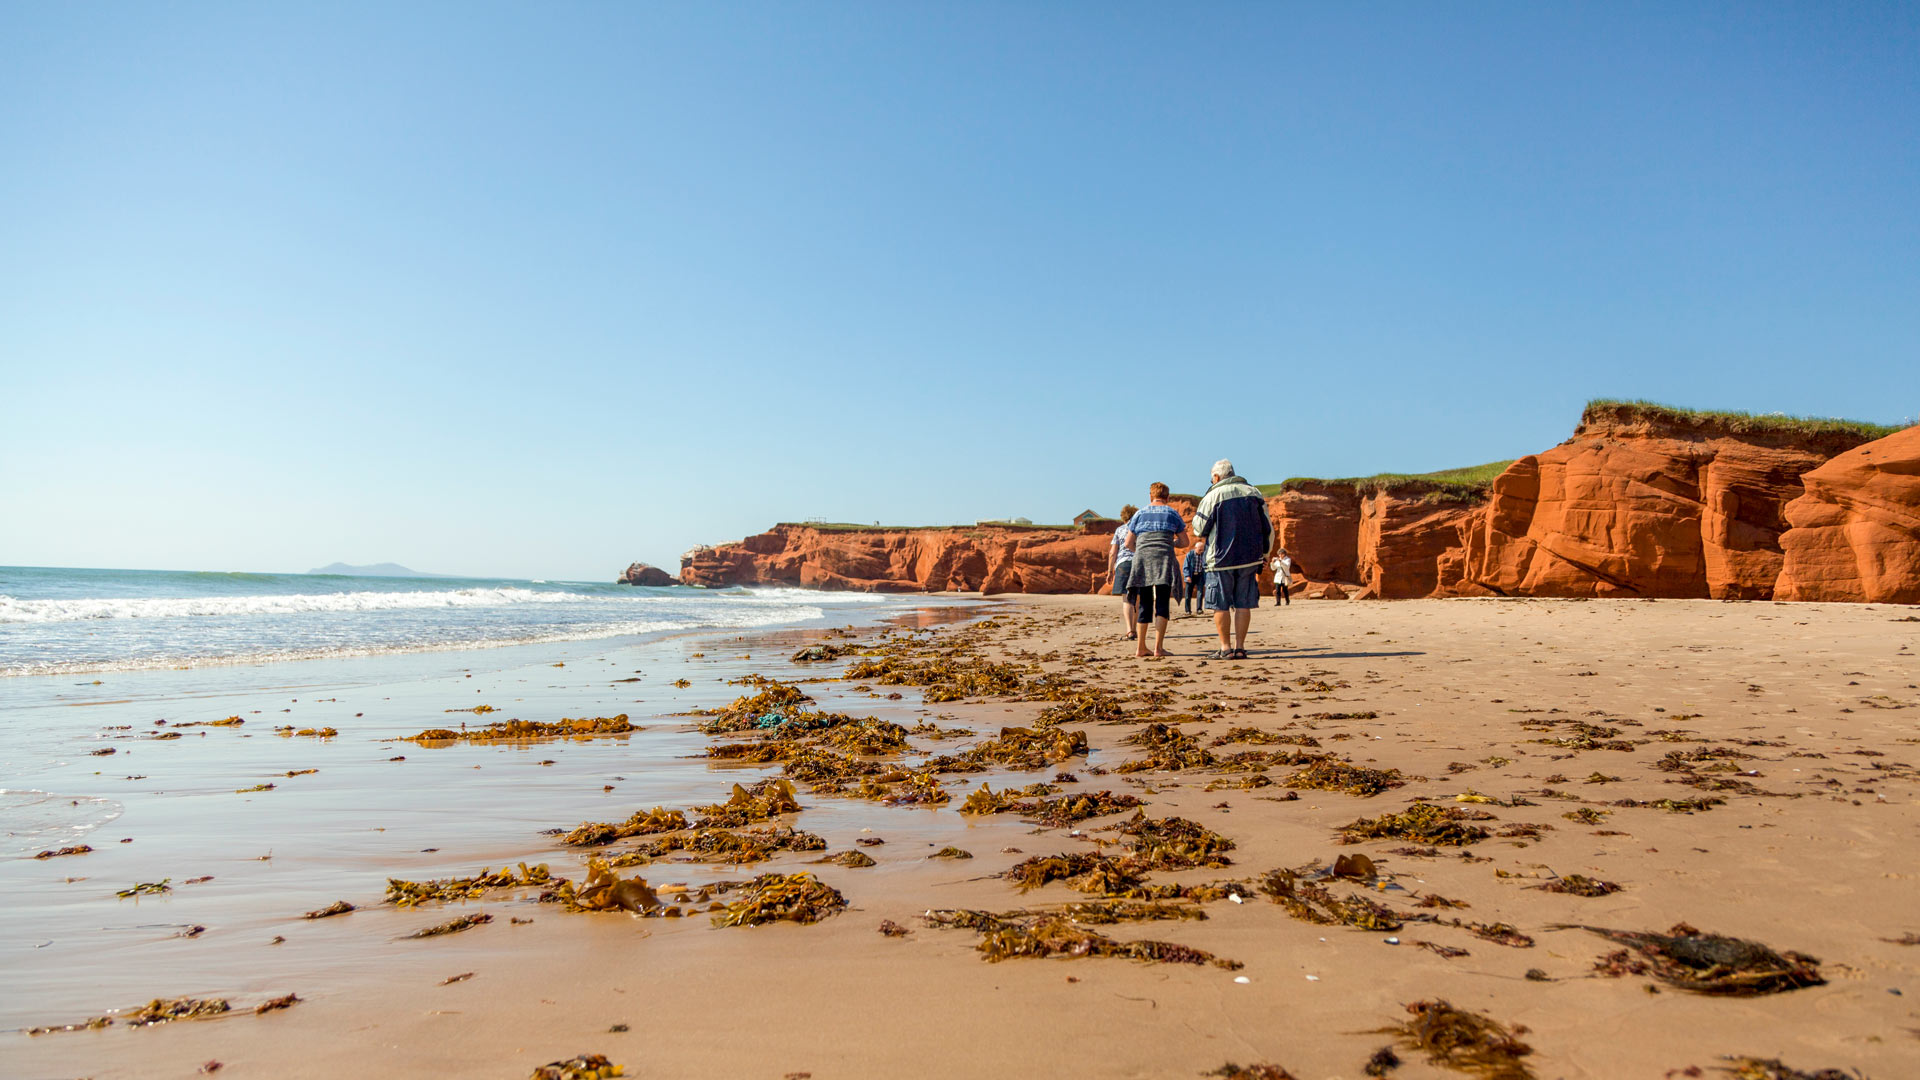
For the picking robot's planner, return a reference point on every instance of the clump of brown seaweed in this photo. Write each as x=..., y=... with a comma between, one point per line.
x=166, y=1010
x=1712, y=963
x=762, y=801
x=1172, y=843
x=1333, y=774
x=409, y=893
x=769, y=898
x=1168, y=749
x=1579, y=885
x=55, y=853
x=1422, y=823
x=579, y=1067
x=1312, y=902
x=526, y=730
x=1258, y=1071
x=1464, y=1041
x=1751, y=1068
x=642, y=823
x=454, y=926
x=1055, y=935
x=603, y=890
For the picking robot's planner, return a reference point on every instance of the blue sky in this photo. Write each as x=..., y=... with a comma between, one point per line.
x=538, y=290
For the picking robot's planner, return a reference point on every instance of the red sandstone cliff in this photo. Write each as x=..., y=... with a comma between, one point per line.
x=984, y=559
x=1641, y=502
x=1649, y=504
x=1855, y=531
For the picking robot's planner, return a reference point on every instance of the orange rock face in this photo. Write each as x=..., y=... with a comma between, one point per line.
x=985, y=559
x=1856, y=528
x=1637, y=507
x=1320, y=525
x=1410, y=546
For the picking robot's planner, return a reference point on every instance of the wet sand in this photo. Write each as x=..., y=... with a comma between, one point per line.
x=1818, y=858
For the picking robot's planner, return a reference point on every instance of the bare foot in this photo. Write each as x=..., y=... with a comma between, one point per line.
x=1140, y=654
x=1161, y=653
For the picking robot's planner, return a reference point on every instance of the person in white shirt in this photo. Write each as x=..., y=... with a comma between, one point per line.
x=1282, y=578
x=1120, y=561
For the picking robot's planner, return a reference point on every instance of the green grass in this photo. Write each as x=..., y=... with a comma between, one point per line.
x=1742, y=423
x=1463, y=484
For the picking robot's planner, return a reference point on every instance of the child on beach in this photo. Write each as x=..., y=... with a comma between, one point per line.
x=1120, y=560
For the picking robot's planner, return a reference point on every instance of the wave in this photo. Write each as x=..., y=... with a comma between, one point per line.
x=14, y=610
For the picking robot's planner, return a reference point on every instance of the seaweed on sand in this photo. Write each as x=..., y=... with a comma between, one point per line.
x=1089, y=706
x=828, y=772
x=1028, y=748
x=1172, y=843
x=579, y=1067
x=868, y=735
x=769, y=898
x=857, y=860
x=944, y=678
x=1168, y=749
x=603, y=890
x=1313, y=903
x=454, y=926
x=774, y=701
x=727, y=846
x=147, y=888
x=1422, y=823
x=1579, y=885
x=1333, y=774
x=1259, y=1071
x=1053, y=935
x=642, y=823
x=1712, y=963
x=338, y=907
x=408, y=893
x=1084, y=871
x=1751, y=1068
x=166, y=1010
x=1055, y=812
x=55, y=853
x=1253, y=736
x=524, y=730
x=1464, y=1041
x=905, y=789
x=762, y=801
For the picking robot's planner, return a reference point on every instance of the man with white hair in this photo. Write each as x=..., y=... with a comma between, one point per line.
x=1233, y=521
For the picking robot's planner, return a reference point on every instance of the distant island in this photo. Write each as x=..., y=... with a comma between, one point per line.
x=384, y=569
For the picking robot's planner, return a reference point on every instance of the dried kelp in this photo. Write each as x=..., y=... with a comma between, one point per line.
x=871, y=736
x=1172, y=843
x=454, y=926
x=1751, y=1068
x=762, y=801
x=338, y=907
x=1587, y=815
x=909, y=789
x=642, y=823
x=827, y=772
x=55, y=853
x=1712, y=963
x=1253, y=736
x=1422, y=823
x=1464, y=1041
x=1057, y=936
x=857, y=860
x=1579, y=885
x=409, y=893
x=526, y=730
x=797, y=898
x=951, y=852
x=166, y=1010
x=1314, y=903
x=147, y=888
x=1083, y=871
x=284, y=1001
x=1261, y=1071
x=1333, y=774
x=579, y=1067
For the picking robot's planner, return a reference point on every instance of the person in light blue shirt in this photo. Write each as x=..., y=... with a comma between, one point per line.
x=1155, y=534
x=1119, y=561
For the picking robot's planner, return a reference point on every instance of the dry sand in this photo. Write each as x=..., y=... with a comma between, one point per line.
x=1824, y=862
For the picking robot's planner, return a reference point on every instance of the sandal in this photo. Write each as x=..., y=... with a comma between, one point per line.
x=1238, y=654
x=1220, y=654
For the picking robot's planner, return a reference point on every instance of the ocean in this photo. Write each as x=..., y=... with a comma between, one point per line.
x=67, y=621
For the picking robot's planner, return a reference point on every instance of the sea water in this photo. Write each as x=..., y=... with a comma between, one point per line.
x=66, y=621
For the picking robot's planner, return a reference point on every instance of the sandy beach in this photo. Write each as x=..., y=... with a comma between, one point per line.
x=1565, y=723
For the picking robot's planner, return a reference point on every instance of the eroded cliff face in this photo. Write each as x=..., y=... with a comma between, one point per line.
x=1649, y=508
x=1855, y=529
x=1634, y=505
x=985, y=559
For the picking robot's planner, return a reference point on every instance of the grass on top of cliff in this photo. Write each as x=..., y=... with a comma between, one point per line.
x=1735, y=422
x=1464, y=485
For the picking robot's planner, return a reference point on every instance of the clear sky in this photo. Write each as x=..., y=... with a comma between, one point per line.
x=541, y=289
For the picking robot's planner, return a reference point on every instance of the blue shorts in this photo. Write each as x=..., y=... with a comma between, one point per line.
x=1230, y=589
x=1120, y=576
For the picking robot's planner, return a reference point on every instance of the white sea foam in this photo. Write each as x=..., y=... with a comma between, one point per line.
x=171, y=607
